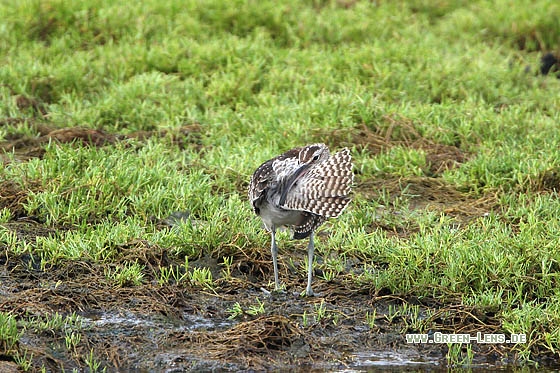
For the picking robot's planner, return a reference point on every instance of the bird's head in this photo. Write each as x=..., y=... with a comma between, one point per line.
x=312, y=154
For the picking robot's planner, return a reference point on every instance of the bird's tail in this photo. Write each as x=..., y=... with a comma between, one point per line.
x=325, y=187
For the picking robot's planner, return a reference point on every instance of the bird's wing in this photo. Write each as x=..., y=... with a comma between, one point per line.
x=323, y=190
x=259, y=183
x=271, y=173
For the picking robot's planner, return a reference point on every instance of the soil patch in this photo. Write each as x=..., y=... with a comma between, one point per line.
x=13, y=196
x=425, y=193
x=25, y=147
x=546, y=181
x=399, y=132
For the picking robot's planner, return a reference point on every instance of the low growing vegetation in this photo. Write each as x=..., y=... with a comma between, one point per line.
x=129, y=133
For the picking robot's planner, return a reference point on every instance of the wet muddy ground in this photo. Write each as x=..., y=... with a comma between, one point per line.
x=172, y=328
x=236, y=324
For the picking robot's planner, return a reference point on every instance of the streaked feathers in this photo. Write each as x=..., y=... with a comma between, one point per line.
x=306, y=179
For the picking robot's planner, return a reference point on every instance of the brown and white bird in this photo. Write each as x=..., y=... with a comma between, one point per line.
x=300, y=189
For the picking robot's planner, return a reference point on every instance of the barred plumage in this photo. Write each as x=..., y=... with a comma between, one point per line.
x=301, y=189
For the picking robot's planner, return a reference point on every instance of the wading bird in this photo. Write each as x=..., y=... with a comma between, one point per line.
x=300, y=189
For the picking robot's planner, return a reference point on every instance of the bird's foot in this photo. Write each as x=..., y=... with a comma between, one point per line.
x=277, y=290
x=309, y=293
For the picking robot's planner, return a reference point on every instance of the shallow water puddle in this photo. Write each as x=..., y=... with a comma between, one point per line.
x=122, y=321
x=389, y=359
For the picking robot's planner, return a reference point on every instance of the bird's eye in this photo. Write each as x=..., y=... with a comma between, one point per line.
x=316, y=157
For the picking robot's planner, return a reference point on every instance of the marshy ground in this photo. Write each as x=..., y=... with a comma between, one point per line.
x=76, y=314
x=128, y=134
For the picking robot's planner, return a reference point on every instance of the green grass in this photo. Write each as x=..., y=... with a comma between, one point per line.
x=9, y=334
x=262, y=77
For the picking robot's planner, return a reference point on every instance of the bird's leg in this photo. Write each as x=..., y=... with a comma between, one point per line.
x=274, y=250
x=310, y=249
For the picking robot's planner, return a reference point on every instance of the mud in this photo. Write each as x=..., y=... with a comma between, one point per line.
x=156, y=328
x=182, y=326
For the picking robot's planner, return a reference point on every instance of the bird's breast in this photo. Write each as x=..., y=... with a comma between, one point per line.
x=273, y=216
